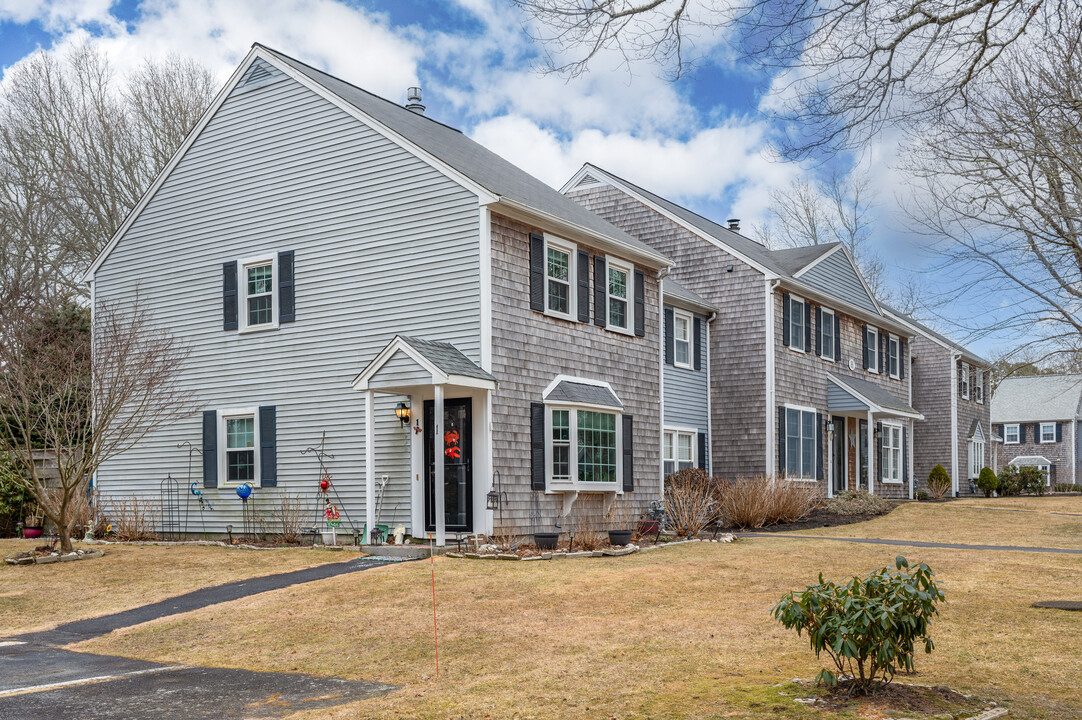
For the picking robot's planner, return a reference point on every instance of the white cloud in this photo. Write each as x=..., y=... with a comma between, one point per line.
x=56, y=15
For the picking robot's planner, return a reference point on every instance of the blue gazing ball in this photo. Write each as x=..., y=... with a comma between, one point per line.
x=243, y=491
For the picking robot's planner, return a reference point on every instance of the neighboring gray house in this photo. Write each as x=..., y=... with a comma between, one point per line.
x=685, y=378
x=335, y=261
x=803, y=361
x=951, y=388
x=1037, y=420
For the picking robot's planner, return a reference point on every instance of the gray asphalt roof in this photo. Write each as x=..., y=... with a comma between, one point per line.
x=676, y=291
x=468, y=157
x=447, y=358
x=574, y=392
x=1038, y=398
x=881, y=397
x=966, y=353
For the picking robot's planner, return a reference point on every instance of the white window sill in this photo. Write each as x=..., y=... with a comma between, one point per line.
x=799, y=479
x=891, y=482
x=248, y=329
x=683, y=366
x=873, y=372
x=895, y=377
x=620, y=330
x=830, y=360
x=1011, y=442
x=796, y=349
x=563, y=486
x=561, y=316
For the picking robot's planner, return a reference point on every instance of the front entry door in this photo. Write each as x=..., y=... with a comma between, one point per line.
x=457, y=466
x=838, y=455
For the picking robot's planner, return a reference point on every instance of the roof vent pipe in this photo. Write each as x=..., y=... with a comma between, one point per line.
x=413, y=100
x=734, y=224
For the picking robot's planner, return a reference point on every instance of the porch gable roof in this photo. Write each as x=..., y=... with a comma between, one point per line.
x=427, y=362
x=870, y=396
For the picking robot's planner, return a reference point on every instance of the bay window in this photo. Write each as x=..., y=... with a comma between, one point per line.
x=584, y=448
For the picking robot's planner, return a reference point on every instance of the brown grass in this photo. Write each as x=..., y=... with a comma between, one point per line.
x=683, y=632
x=43, y=596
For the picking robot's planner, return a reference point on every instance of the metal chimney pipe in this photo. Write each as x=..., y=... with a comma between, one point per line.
x=413, y=101
x=734, y=224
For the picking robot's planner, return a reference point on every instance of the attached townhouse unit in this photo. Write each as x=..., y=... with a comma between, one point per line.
x=808, y=375
x=458, y=335
x=685, y=378
x=1036, y=420
x=951, y=388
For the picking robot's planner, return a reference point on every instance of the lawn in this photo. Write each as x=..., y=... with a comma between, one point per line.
x=683, y=632
x=982, y=521
x=127, y=577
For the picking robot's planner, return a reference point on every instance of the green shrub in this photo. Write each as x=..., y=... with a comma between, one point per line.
x=1017, y=480
x=1067, y=487
x=939, y=482
x=987, y=481
x=922, y=495
x=868, y=627
x=858, y=502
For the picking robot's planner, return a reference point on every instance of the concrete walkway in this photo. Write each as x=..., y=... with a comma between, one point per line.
x=914, y=543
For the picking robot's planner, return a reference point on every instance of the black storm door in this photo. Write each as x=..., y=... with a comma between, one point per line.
x=457, y=466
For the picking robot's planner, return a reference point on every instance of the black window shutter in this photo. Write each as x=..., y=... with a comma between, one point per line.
x=818, y=446
x=286, y=295
x=537, y=272
x=837, y=337
x=999, y=431
x=229, y=296
x=1059, y=432
x=698, y=325
x=210, y=447
x=1022, y=433
x=959, y=371
x=1036, y=432
x=807, y=328
x=818, y=331
x=781, y=441
x=879, y=449
x=601, y=297
x=785, y=319
x=703, y=464
x=584, y=286
x=880, y=365
x=268, y=446
x=901, y=358
x=1051, y=473
x=640, y=304
x=670, y=337
x=864, y=345
x=537, y=446
x=629, y=453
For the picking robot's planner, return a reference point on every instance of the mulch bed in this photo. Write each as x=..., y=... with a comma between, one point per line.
x=819, y=518
x=900, y=699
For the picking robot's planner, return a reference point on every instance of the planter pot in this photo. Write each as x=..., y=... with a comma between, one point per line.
x=619, y=537
x=648, y=527
x=546, y=541
x=31, y=532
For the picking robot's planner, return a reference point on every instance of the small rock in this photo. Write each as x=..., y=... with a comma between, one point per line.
x=597, y=553
x=24, y=561
x=488, y=548
x=546, y=556
x=472, y=556
x=454, y=555
x=508, y=556
x=47, y=559
x=532, y=557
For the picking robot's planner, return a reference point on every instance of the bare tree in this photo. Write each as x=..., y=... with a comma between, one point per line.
x=78, y=148
x=1000, y=194
x=76, y=407
x=847, y=69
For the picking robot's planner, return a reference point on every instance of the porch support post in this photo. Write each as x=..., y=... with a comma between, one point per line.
x=872, y=453
x=369, y=465
x=437, y=454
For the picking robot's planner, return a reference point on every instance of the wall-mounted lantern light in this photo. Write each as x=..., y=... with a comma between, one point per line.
x=402, y=412
x=492, y=500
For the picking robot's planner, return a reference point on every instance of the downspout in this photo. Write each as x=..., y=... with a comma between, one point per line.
x=955, y=357
x=911, y=440
x=771, y=422
x=709, y=401
x=661, y=275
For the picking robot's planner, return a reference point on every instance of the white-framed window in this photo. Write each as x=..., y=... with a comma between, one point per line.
x=238, y=443
x=560, y=274
x=894, y=359
x=800, y=439
x=621, y=295
x=583, y=451
x=683, y=324
x=1010, y=434
x=1048, y=432
x=826, y=335
x=872, y=342
x=965, y=381
x=259, y=293
x=891, y=472
x=796, y=323
x=976, y=457
x=978, y=387
x=679, y=450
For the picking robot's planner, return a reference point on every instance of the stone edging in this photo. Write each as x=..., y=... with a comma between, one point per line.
x=607, y=552
x=218, y=543
x=54, y=557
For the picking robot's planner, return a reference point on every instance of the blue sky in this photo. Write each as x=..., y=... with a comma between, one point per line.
x=701, y=141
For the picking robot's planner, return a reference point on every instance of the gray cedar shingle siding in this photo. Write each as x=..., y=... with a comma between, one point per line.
x=1057, y=452
x=278, y=168
x=530, y=349
x=737, y=337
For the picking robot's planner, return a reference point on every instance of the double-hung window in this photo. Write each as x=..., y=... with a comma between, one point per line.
x=892, y=454
x=978, y=387
x=826, y=334
x=893, y=355
x=679, y=451
x=682, y=340
x=559, y=272
x=583, y=448
x=796, y=324
x=800, y=438
x=620, y=300
x=872, y=344
x=965, y=381
x=259, y=293
x=239, y=458
x=1010, y=434
x=1048, y=432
